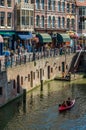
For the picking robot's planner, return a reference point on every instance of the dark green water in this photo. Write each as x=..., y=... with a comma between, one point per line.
x=41, y=109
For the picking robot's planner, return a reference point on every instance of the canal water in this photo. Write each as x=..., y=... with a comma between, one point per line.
x=40, y=112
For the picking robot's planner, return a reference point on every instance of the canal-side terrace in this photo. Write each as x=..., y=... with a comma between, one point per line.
x=11, y=60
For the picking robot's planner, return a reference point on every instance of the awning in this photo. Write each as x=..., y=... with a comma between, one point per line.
x=1, y=39
x=6, y=33
x=44, y=37
x=25, y=36
x=63, y=37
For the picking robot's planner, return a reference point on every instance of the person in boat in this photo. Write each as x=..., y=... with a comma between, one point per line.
x=64, y=104
x=68, y=102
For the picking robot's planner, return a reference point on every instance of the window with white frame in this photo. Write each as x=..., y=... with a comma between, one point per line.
x=73, y=8
x=59, y=22
x=49, y=4
x=63, y=22
x=53, y=21
x=68, y=7
x=49, y=21
x=53, y=5
x=82, y=11
x=28, y=17
x=68, y=23
x=73, y=23
x=59, y=6
x=42, y=19
x=26, y=1
x=9, y=3
x=63, y=6
x=23, y=17
x=37, y=4
x=31, y=17
x=37, y=20
x=9, y=19
x=42, y=3
x=2, y=2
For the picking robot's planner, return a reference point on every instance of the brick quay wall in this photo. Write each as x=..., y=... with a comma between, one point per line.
x=29, y=75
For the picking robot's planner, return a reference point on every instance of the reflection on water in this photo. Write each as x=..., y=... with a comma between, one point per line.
x=40, y=111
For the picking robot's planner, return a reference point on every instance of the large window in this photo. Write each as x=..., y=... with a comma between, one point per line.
x=63, y=6
x=23, y=17
x=82, y=26
x=73, y=23
x=68, y=7
x=26, y=1
x=59, y=6
x=27, y=17
x=49, y=21
x=73, y=8
x=37, y=20
x=49, y=4
x=59, y=22
x=9, y=19
x=53, y=5
x=18, y=17
x=2, y=2
x=42, y=19
x=2, y=18
x=42, y=3
x=9, y=3
x=31, y=17
x=19, y=1
x=37, y=4
x=53, y=22
x=63, y=22
x=68, y=23
x=82, y=11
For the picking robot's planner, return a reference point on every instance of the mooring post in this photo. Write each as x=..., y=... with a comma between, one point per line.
x=24, y=95
x=41, y=85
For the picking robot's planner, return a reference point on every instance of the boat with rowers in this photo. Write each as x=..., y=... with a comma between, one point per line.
x=63, y=108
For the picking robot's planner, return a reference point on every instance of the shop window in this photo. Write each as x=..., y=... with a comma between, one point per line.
x=21, y=80
x=0, y=90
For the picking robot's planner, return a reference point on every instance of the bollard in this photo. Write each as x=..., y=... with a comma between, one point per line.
x=41, y=85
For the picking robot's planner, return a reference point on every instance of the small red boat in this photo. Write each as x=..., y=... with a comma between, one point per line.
x=63, y=108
